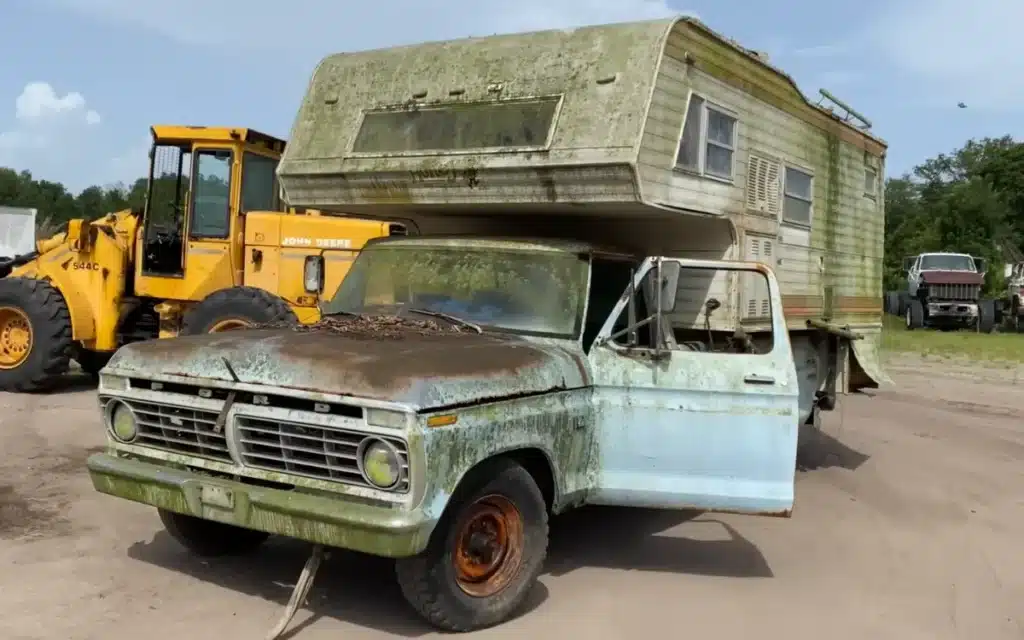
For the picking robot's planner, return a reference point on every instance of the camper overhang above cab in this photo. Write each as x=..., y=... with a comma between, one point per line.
x=533, y=122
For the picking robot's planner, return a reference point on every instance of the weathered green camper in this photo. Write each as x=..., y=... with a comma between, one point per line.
x=661, y=137
x=582, y=313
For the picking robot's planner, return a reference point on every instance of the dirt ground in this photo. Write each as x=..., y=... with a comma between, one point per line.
x=908, y=525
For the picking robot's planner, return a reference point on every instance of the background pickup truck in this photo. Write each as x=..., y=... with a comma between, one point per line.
x=944, y=291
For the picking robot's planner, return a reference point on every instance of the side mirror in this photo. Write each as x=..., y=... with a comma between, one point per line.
x=980, y=265
x=908, y=263
x=668, y=282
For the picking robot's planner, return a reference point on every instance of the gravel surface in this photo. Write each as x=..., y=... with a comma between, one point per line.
x=908, y=524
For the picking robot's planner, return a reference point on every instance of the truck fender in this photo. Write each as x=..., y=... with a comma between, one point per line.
x=534, y=459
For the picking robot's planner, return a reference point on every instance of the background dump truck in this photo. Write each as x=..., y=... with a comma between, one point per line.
x=212, y=250
x=498, y=143
x=590, y=311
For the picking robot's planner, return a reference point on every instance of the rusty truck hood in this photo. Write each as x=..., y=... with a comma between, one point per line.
x=952, y=277
x=423, y=371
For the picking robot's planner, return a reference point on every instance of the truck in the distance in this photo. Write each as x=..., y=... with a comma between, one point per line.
x=944, y=291
x=639, y=262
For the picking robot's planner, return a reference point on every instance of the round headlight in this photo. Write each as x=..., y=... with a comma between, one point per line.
x=121, y=421
x=379, y=463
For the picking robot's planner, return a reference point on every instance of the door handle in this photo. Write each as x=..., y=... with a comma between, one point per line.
x=754, y=378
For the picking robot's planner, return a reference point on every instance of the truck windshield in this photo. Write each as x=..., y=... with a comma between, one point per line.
x=947, y=263
x=519, y=291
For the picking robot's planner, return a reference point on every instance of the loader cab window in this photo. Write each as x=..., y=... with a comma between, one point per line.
x=211, y=196
x=259, y=183
x=170, y=171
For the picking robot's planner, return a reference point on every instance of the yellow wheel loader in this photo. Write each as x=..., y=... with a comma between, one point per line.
x=213, y=249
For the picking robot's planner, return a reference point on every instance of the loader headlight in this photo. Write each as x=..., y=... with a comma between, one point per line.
x=313, y=274
x=380, y=463
x=121, y=421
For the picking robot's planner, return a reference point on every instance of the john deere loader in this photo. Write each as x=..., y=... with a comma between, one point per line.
x=213, y=249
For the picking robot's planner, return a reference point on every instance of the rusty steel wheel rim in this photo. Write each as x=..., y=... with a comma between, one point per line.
x=489, y=546
x=15, y=337
x=229, y=325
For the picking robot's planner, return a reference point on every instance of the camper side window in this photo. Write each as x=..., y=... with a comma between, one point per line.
x=798, y=202
x=708, y=144
x=870, y=182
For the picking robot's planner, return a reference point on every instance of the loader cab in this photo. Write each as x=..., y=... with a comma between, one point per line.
x=200, y=180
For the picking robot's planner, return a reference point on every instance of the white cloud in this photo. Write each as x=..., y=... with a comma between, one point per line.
x=47, y=130
x=327, y=26
x=306, y=30
x=957, y=51
x=41, y=117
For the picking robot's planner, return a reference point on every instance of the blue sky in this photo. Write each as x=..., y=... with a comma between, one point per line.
x=82, y=80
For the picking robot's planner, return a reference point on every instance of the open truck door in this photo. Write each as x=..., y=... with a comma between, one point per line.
x=691, y=412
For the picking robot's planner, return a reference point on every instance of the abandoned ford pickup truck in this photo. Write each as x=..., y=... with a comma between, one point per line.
x=588, y=310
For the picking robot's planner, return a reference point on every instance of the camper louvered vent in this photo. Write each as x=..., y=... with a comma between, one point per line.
x=753, y=286
x=763, y=185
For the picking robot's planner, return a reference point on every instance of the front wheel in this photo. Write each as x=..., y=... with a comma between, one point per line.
x=207, y=538
x=914, y=314
x=484, y=556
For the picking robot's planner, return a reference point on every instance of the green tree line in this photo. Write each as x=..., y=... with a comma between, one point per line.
x=56, y=204
x=970, y=200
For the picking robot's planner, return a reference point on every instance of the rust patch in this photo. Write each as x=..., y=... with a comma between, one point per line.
x=373, y=327
x=367, y=357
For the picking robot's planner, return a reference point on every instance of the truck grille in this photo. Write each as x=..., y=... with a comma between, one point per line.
x=178, y=429
x=954, y=291
x=312, y=451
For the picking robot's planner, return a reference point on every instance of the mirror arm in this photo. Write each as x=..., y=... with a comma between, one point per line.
x=631, y=328
x=631, y=312
x=657, y=306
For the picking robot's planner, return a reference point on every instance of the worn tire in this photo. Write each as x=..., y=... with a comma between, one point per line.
x=429, y=580
x=50, y=323
x=210, y=539
x=248, y=305
x=986, y=315
x=914, y=315
x=902, y=302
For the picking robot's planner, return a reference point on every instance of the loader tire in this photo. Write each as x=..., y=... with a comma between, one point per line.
x=236, y=308
x=35, y=334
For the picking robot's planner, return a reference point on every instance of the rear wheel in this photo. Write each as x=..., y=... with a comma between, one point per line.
x=236, y=308
x=35, y=334
x=986, y=315
x=486, y=553
x=208, y=538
